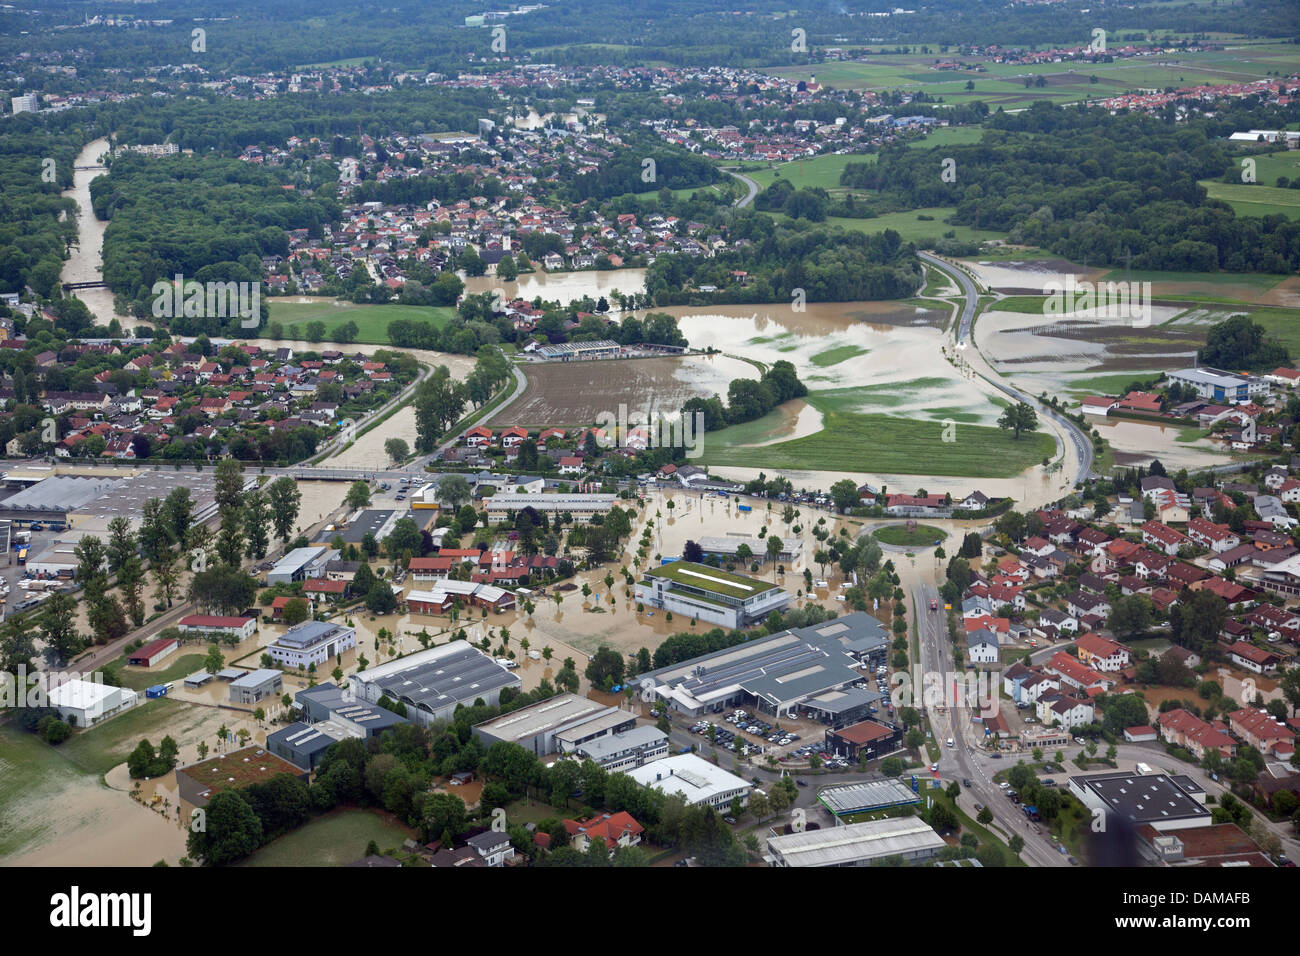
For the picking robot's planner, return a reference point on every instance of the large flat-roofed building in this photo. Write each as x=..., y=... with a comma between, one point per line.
x=297, y=565
x=536, y=726
x=787, y=673
x=84, y=703
x=582, y=506
x=326, y=703
x=857, y=844
x=303, y=745
x=867, y=795
x=311, y=642
x=446, y=593
x=432, y=683
x=1162, y=801
x=256, y=685
x=709, y=594
x=619, y=753
x=217, y=624
x=1219, y=386
x=568, y=351
x=127, y=498
x=52, y=499
x=697, y=780
x=199, y=782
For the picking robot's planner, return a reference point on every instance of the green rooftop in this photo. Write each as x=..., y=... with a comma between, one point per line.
x=709, y=579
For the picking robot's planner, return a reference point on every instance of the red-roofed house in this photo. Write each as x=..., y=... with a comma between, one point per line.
x=153, y=652
x=245, y=627
x=1253, y=658
x=1101, y=654
x=1184, y=729
x=1259, y=729
x=612, y=829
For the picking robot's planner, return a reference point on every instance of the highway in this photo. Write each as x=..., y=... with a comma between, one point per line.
x=1066, y=429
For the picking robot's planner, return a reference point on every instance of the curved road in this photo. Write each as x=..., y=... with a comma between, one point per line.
x=753, y=189
x=1067, y=430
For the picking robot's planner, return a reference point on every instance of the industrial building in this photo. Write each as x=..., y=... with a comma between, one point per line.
x=866, y=796
x=1162, y=801
x=52, y=499
x=327, y=704
x=709, y=594
x=796, y=672
x=857, y=844
x=695, y=779
x=154, y=652
x=1216, y=385
x=84, y=703
x=303, y=745
x=299, y=565
x=256, y=685
x=311, y=642
x=536, y=727
x=432, y=683
x=444, y=596
x=214, y=625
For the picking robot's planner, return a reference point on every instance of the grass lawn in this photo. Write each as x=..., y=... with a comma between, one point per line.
x=812, y=173
x=372, y=320
x=138, y=678
x=1281, y=324
x=29, y=769
x=872, y=442
x=949, y=136
x=922, y=536
x=336, y=839
x=107, y=744
x=1029, y=304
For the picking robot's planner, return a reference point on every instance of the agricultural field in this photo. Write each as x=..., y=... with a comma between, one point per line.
x=879, y=443
x=573, y=394
x=1256, y=199
x=912, y=228
x=372, y=320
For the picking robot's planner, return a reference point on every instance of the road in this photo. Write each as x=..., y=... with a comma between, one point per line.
x=454, y=435
x=1068, y=434
x=753, y=189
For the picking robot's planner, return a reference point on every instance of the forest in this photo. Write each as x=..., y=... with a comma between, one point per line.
x=206, y=218
x=1093, y=188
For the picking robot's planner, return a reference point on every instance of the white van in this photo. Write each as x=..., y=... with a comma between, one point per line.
x=950, y=743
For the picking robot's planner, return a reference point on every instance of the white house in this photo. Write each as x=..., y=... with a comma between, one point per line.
x=981, y=647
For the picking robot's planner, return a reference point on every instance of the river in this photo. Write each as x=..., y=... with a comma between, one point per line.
x=87, y=259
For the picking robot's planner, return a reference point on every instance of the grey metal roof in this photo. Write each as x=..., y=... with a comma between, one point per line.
x=457, y=676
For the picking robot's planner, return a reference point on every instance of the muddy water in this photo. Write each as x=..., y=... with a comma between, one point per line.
x=88, y=254
x=562, y=287
x=1139, y=443
x=1031, y=275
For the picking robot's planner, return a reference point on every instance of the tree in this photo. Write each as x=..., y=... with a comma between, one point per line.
x=58, y=627
x=454, y=490
x=397, y=449
x=231, y=832
x=122, y=546
x=295, y=611
x=606, y=666
x=223, y=589
x=285, y=499
x=228, y=481
x=17, y=645
x=92, y=558
x=380, y=598
x=1018, y=418
x=1131, y=614
x=844, y=494
x=358, y=494
x=257, y=524
x=443, y=813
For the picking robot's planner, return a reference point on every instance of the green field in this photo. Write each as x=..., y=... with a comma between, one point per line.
x=138, y=678
x=880, y=443
x=912, y=229
x=336, y=839
x=372, y=320
x=922, y=536
x=1256, y=199
x=949, y=136
x=816, y=172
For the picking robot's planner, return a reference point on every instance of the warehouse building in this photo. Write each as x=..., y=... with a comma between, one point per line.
x=298, y=565
x=857, y=844
x=432, y=683
x=709, y=594
x=695, y=779
x=303, y=745
x=794, y=672
x=1216, y=385
x=868, y=795
x=84, y=703
x=199, y=782
x=154, y=652
x=536, y=727
x=326, y=703
x=51, y=500
x=726, y=548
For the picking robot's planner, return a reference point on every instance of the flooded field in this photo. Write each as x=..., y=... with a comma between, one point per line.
x=1030, y=275
x=562, y=287
x=570, y=394
x=1138, y=443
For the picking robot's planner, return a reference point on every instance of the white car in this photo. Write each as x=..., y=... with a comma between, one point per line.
x=507, y=663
